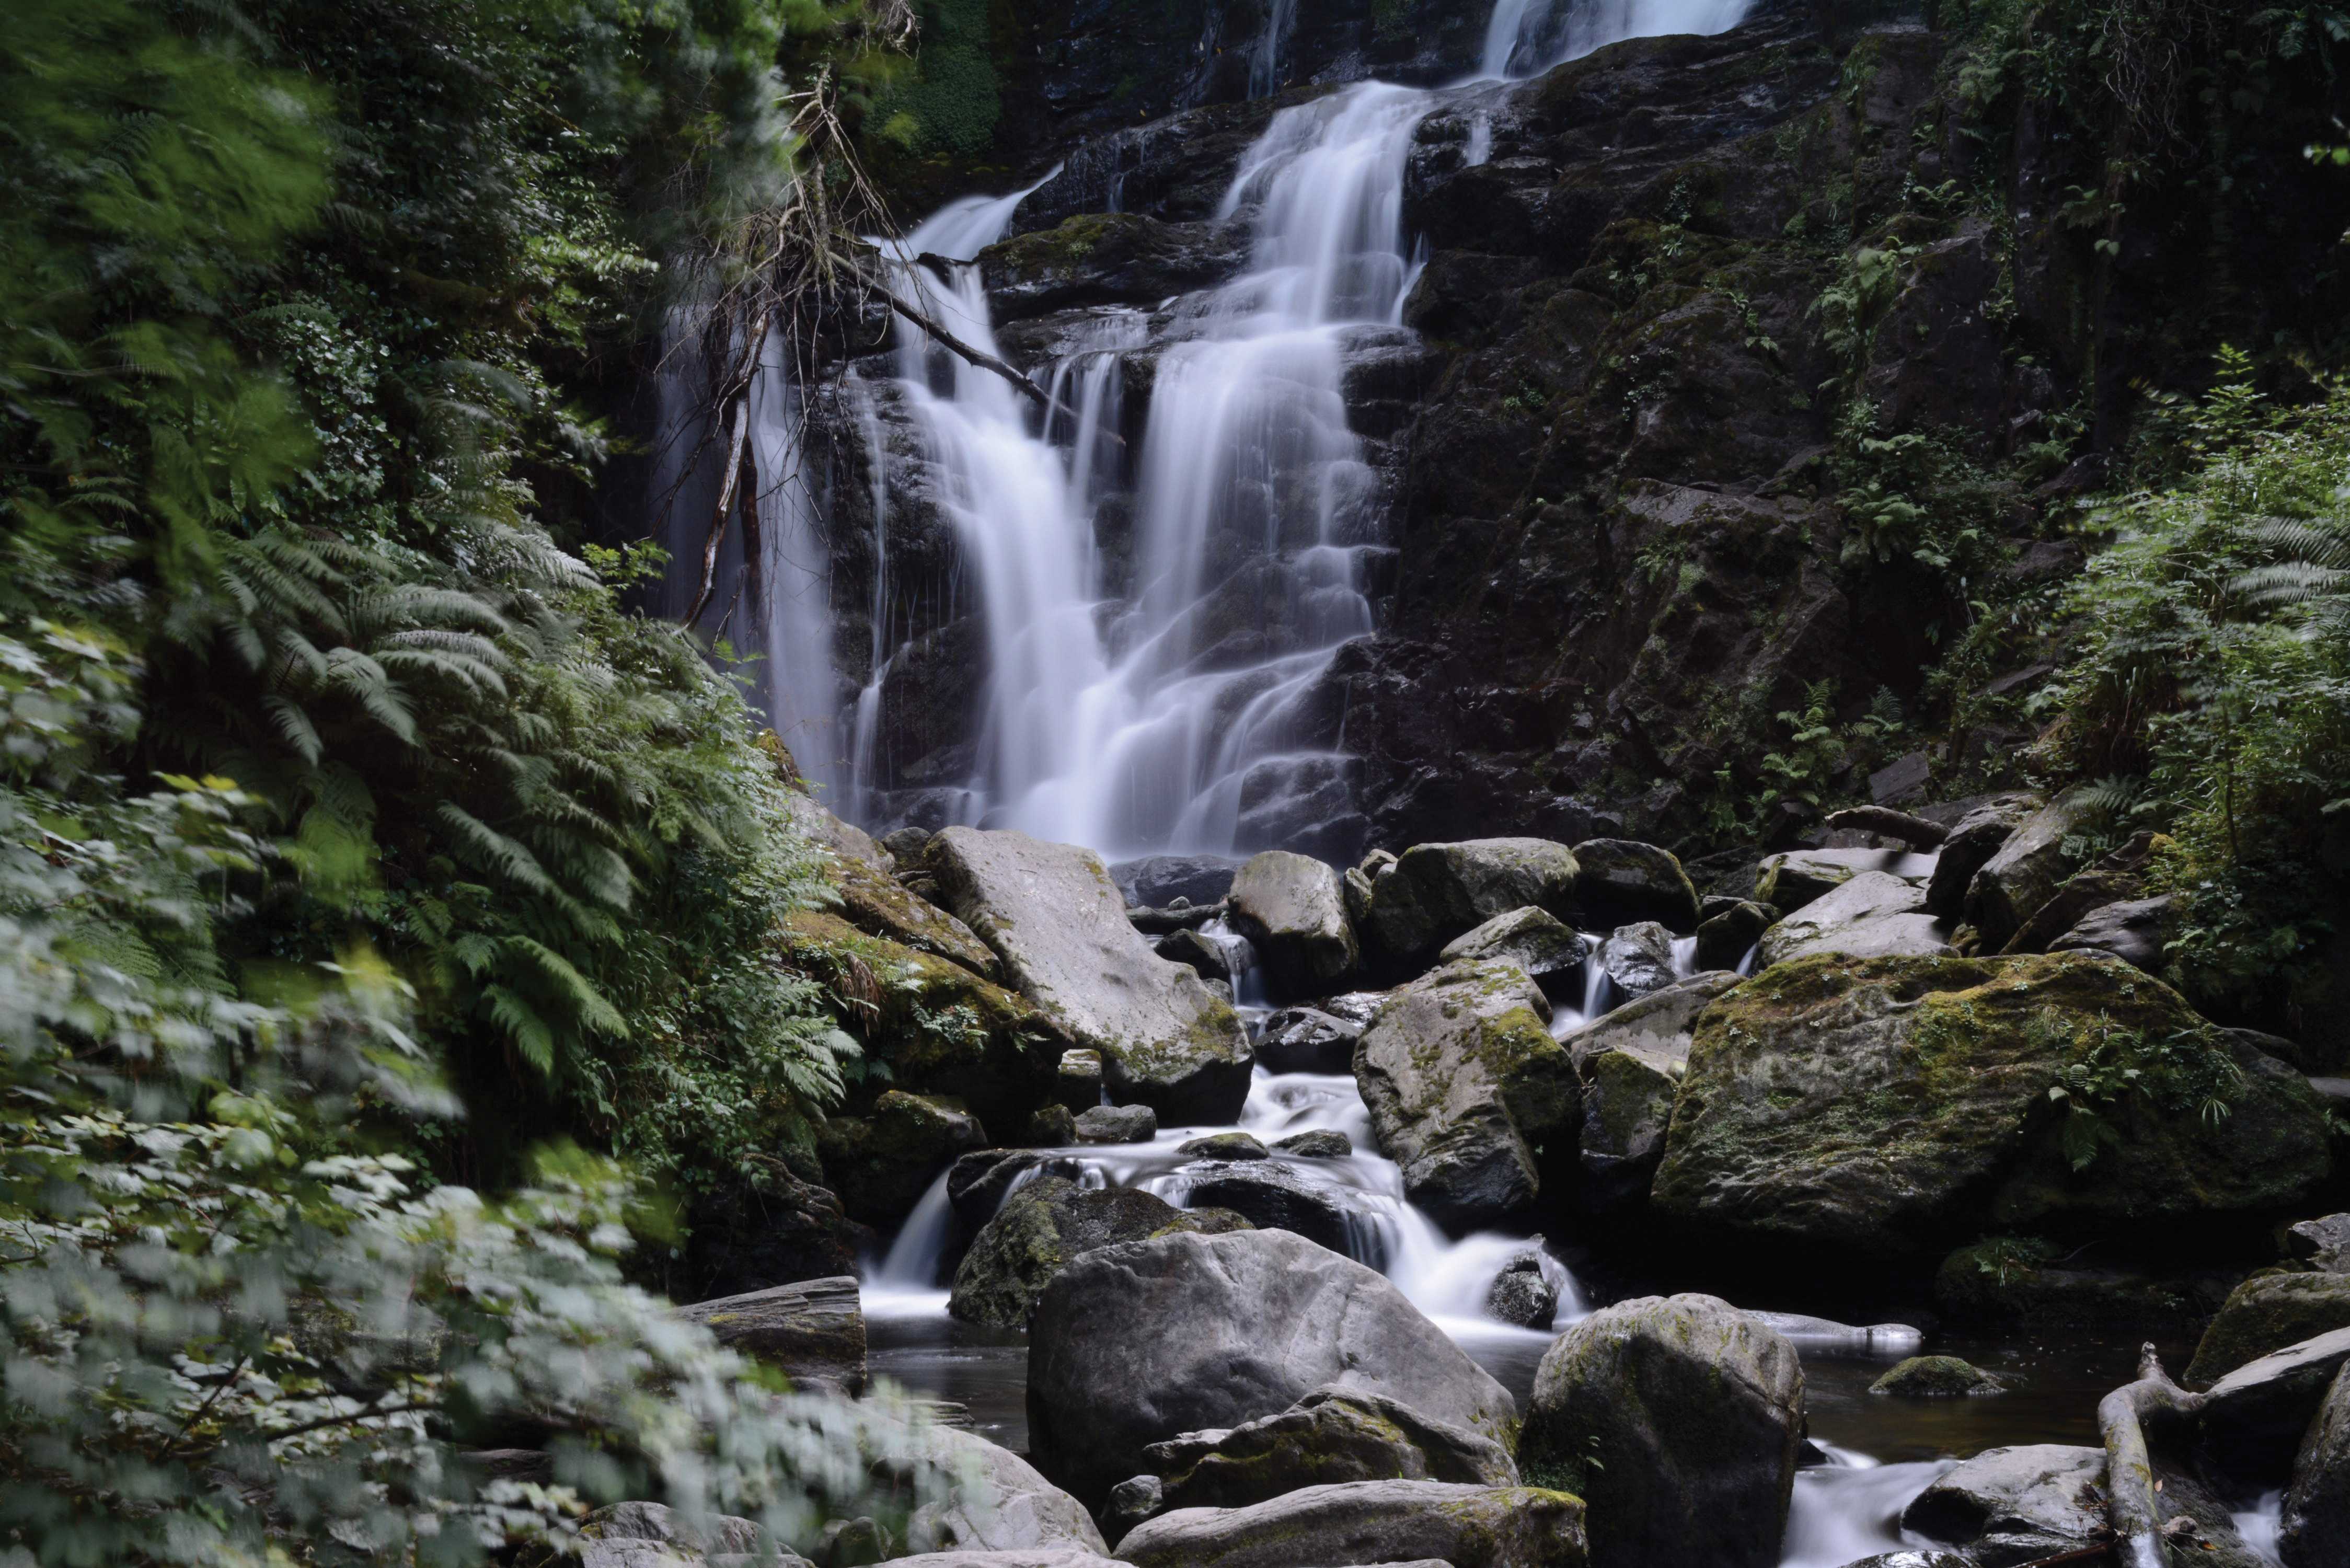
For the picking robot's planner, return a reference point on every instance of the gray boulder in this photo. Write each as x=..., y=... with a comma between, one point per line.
x=1973, y=839
x=2024, y=874
x=1872, y=915
x=1117, y=1124
x=1135, y=1345
x=2315, y=1529
x=2011, y=1505
x=2134, y=931
x=811, y=1332
x=1788, y=881
x=995, y=1501
x=2253, y=1419
x=1522, y=1295
x=1386, y=1522
x=1308, y=1039
x=1434, y=892
x=2268, y=1313
x=1276, y=1196
x=976, y=1183
x=1017, y=1557
x=1618, y=882
x=1630, y=1063
x=1294, y=908
x=2324, y=1244
x=882, y=1162
x=1464, y=1083
x=1079, y=1082
x=1333, y=1435
x=1696, y=1411
x=1639, y=959
x=1051, y=913
x=1157, y=880
x=1041, y=1228
x=1131, y=1502
x=1225, y=1145
x=1726, y=935
x=1321, y=1143
x=1208, y=960
x=1548, y=948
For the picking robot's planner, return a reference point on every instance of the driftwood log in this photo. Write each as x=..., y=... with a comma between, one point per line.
x=1914, y=831
x=2133, y=1497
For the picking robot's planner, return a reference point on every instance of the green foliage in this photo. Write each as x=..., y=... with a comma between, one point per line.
x=2008, y=1259
x=948, y=104
x=2186, y=1073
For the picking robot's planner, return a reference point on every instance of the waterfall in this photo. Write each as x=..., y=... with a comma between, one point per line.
x=1527, y=37
x=1264, y=56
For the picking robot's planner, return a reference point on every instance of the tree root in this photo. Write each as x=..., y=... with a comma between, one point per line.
x=2132, y=1502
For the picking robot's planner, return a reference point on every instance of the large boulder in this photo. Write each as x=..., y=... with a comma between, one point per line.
x=978, y=1183
x=2011, y=1505
x=1731, y=929
x=812, y=1331
x=992, y=1499
x=1871, y=915
x=2134, y=931
x=1135, y=1344
x=1464, y=1084
x=1045, y=1225
x=1973, y=839
x=1332, y=1435
x=1308, y=1039
x=2253, y=1419
x=1168, y=1039
x=2024, y=873
x=936, y=1025
x=1549, y=949
x=1279, y=1196
x=1885, y=1104
x=1693, y=1412
x=1157, y=880
x=1792, y=880
x=1294, y=909
x=1630, y=1063
x=2323, y=1243
x=881, y=1163
x=1390, y=1521
x=1432, y=893
x=2315, y=1532
x=1618, y=882
x=2266, y=1313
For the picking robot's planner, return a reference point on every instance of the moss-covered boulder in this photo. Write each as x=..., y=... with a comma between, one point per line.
x=936, y=1025
x=1045, y=1225
x=2267, y=1312
x=1551, y=952
x=1677, y=1419
x=1885, y=1104
x=1465, y=1085
x=882, y=1162
x=1432, y=893
x=1937, y=1377
x=1630, y=1063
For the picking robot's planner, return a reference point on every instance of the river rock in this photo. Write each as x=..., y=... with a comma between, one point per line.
x=2315, y=1532
x=937, y=1027
x=1883, y=1105
x=1937, y=1377
x=1548, y=948
x=2253, y=1419
x=2267, y=1312
x=1630, y=1063
x=1157, y=880
x=1788, y=881
x=653, y=1535
x=2118, y=878
x=1870, y=915
x=1973, y=839
x=1130, y=1502
x=1695, y=1410
x=2011, y=1505
x=1308, y=1039
x=1435, y=892
x=1196, y=952
x=1117, y=1124
x=1053, y=917
x=1135, y=1345
x=1043, y=1226
x=976, y=1183
x=1618, y=882
x=1225, y=1145
x=993, y=1500
x=1639, y=959
x=1522, y=1295
x=813, y=1332
x=1276, y=1196
x=1078, y=1083
x=1726, y=935
x=882, y=1163
x=1320, y=1143
x=1333, y=1435
x=2134, y=931
x=2324, y=1244
x=1387, y=1522
x=2024, y=874
x=1294, y=909
x=1464, y=1083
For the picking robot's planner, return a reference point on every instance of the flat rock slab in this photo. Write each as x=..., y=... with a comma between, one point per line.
x=1371, y=1522
x=1135, y=1345
x=1052, y=914
x=1872, y=915
x=1332, y=1435
x=811, y=1332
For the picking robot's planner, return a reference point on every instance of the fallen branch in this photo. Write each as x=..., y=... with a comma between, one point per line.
x=2078, y=1554
x=986, y=361
x=1915, y=831
x=2132, y=1502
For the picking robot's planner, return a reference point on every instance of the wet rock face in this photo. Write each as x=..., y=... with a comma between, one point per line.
x=2316, y=1528
x=1136, y=1344
x=882, y=1163
x=2267, y=1313
x=1041, y=1228
x=813, y=1332
x=1332, y=1436
x=1432, y=893
x=1695, y=1410
x=1883, y=1104
x=2016, y=1504
x=1395, y=1521
x=1293, y=911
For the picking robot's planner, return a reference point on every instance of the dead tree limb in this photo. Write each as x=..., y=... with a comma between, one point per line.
x=2132, y=1501
x=738, y=434
x=1915, y=831
x=986, y=361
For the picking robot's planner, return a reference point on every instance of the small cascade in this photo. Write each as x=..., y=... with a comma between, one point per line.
x=1265, y=55
x=1850, y=1508
x=1527, y=37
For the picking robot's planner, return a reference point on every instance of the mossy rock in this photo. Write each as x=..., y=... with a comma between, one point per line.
x=1885, y=1104
x=1937, y=1377
x=2267, y=1312
x=1048, y=1223
x=1994, y=1283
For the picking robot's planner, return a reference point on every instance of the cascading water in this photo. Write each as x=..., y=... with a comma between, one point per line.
x=1527, y=37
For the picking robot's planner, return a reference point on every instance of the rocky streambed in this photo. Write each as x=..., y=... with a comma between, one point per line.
x=1449, y=1206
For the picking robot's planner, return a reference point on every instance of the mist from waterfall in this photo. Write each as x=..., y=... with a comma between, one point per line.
x=1527, y=37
